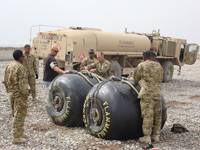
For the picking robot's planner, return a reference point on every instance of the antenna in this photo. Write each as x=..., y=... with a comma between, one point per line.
x=126, y=30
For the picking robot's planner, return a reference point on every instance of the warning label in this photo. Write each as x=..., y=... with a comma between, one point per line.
x=81, y=56
x=58, y=46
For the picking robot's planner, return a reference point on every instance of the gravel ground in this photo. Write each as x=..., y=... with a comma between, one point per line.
x=182, y=97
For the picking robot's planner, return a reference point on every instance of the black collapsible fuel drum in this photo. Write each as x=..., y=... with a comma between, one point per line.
x=66, y=97
x=112, y=110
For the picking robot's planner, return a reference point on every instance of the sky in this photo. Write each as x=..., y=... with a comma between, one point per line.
x=174, y=18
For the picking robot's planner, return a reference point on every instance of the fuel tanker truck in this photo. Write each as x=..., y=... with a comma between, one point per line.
x=123, y=50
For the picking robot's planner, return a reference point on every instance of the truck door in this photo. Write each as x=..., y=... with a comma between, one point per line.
x=191, y=54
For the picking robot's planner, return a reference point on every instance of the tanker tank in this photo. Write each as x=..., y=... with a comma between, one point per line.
x=120, y=42
x=103, y=41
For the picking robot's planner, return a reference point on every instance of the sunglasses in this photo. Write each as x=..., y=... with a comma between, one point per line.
x=91, y=53
x=56, y=51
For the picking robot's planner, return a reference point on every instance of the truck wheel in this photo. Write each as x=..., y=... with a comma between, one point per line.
x=168, y=70
x=115, y=69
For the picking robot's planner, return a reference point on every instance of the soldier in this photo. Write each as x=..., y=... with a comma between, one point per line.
x=88, y=61
x=102, y=67
x=31, y=70
x=51, y=69
x=150, y=75
x=16, y=83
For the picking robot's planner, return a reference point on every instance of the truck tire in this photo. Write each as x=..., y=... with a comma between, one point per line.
x=168, y=70
x=112, y=111
x=66, y=95
x=115, y=69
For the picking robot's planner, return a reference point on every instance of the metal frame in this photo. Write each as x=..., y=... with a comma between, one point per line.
x=39, y=29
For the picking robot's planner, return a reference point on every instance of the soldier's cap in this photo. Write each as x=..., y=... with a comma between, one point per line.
x=27, y=45
x=91, y=51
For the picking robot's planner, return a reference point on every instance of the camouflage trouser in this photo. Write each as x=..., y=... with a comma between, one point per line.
x=32, y=84
x=151, y=112
x=19, y=110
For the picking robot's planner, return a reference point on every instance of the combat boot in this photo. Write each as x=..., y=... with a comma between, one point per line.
x=155, y=138
x=19, y=140
x=24, y=135
x=145, y=139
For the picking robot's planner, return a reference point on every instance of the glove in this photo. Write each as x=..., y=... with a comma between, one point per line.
x=123, y=78
x=73, y=71
x=36, y=76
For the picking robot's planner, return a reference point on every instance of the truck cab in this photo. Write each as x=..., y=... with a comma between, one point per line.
x=171, y=51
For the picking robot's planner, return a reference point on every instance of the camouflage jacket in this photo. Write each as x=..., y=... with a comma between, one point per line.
x=103, y=68
x=87, y=62
x=15, y=79
x=150, y=75
x=30, y=65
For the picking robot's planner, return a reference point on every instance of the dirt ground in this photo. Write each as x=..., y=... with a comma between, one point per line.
x=182, y=96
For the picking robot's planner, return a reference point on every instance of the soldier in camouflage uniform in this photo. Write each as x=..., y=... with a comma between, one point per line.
x=150, y=75
x=16, y=84
x=31, y=68
x=88, y=61
x=102, y=67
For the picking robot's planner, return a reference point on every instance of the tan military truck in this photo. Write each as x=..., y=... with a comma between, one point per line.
x=123, y=50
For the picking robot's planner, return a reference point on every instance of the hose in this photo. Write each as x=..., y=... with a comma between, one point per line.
x=113, y=78
x=98, y=77
x=85, y=78
x=130, y=86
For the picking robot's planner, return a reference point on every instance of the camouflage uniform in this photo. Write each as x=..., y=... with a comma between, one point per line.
x=31, y=67
x=150, y=75
x=16, y=84
x=102, y=68
x=87, y=62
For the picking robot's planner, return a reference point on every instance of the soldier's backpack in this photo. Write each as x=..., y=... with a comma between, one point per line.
x=178, y=128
